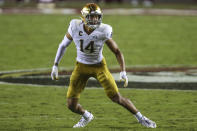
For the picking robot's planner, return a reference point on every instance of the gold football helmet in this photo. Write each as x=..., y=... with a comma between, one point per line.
x=92, y=15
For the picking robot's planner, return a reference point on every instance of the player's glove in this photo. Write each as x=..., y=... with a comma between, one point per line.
x=123, y=76
x=54, y=73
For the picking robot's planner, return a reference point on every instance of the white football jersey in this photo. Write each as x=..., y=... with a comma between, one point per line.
x=89, y=47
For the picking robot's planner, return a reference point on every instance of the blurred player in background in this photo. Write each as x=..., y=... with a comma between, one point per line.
x=146, y=3
x=89, y=36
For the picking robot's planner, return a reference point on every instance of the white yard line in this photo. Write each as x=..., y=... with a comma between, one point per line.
x=34, y=70
x=35, y=85
x=116, y=11
x=144, y=77
x=143, y=11
x=25, y=70
x=159, y=78
x=88, y=88
x=151, y=77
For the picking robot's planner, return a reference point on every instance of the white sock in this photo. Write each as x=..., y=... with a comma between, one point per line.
x=138, y=116
x=86, y=114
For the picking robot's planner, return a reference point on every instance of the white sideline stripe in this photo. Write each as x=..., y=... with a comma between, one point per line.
x=117, y=11
x=142, y=11
x=36, y=85
x=36, y=69
x=159, y=77
x=59, y=11
x=111, y=67
x=91, y=88
x=122, y=11
x=26, y=70
x=139, y=78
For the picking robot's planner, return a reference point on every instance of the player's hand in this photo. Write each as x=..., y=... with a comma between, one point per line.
x=123, y=76
x=54, y=73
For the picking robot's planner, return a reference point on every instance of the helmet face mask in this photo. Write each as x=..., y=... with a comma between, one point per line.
x=92, y=15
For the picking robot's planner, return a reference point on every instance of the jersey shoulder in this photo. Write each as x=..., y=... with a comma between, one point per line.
x=105, y=28
x=75, y=22
x=74, y=26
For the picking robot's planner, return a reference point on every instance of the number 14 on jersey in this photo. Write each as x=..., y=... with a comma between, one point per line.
x=89, y=47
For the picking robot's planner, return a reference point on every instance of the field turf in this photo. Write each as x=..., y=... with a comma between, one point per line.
x=31, y=41
x=44, y=108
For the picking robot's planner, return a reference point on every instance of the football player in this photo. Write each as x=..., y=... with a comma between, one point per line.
x=89, y=35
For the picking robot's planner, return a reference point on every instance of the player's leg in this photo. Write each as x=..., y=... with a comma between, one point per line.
x=126, y=103
x=77, y=84
x=74, y=106
x=111, y=90
x=107, y=81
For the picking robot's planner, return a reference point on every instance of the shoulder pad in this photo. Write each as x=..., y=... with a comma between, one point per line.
x=75, y=22
x=106, y=28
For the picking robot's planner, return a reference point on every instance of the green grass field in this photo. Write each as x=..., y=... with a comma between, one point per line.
x=44, y=108
x=31, y=41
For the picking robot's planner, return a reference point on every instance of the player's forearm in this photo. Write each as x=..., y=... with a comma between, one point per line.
x=61, y=50
x=120, y=59
x=119, y=56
